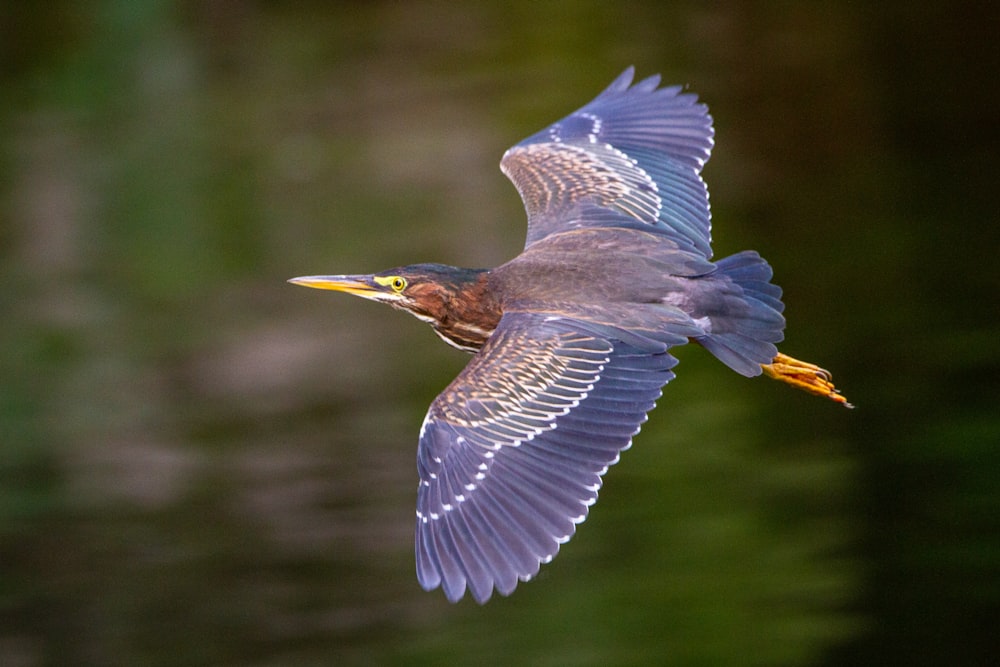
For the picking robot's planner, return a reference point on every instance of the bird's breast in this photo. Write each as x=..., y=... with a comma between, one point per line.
x=467, y=336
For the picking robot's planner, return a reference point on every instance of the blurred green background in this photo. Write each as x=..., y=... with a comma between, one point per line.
x=203, y=465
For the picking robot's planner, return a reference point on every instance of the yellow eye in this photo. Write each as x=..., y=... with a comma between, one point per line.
x=397, y=283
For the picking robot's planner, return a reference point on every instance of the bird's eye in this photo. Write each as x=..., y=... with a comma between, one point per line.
x=398, y=284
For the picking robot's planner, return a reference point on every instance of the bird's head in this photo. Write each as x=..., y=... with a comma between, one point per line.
x=426, y=291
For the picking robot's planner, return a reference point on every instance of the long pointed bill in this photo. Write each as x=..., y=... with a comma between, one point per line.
x=362, y=286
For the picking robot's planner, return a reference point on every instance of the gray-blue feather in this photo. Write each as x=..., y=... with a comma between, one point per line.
x=638, y=149
x=504, y=484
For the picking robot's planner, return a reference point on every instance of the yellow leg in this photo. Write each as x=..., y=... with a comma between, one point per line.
x=805, y=376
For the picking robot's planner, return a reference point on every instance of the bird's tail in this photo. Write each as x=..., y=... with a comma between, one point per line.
x=747, y=323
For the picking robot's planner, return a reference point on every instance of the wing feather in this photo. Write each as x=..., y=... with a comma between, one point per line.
x=512, y=452
x=635, y=150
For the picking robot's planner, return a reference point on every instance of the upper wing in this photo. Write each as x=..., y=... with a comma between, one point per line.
x=638, y=150
x=512, y=452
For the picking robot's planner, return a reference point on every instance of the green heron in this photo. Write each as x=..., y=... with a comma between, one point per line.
x=572, y=337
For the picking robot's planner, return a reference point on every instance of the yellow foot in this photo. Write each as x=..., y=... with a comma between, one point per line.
x=805, y=376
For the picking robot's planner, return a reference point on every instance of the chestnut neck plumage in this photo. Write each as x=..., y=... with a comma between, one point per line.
x=459, y=306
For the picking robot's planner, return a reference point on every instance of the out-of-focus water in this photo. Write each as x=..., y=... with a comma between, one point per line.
x=200, y=464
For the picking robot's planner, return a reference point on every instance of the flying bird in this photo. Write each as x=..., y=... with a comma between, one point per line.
x=571, y=339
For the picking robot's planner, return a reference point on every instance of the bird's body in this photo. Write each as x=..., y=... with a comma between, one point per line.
x=638, y=281
x=572, y=337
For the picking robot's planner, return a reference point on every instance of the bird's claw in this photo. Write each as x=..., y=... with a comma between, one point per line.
x=805, y=376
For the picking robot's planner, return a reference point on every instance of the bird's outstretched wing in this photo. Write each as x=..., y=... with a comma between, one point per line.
x=636, y=149
x=512, y=452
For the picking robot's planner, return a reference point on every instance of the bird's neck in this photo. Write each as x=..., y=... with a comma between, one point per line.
x=471, y=313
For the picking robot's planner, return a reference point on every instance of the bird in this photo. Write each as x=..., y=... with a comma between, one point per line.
x=572, y=338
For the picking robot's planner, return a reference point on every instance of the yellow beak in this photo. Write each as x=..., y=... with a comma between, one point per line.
x=357, y=285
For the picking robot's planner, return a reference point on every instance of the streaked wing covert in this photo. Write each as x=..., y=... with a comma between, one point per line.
x=636, y=149
x=512, y=452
